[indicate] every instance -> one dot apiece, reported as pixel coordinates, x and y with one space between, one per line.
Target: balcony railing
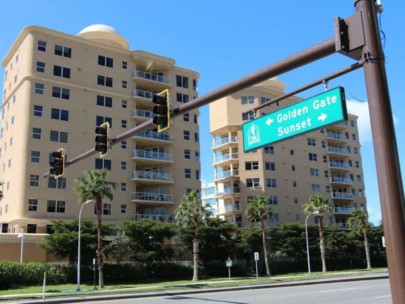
225 140
330 135
232 208
337 150
339 165
341 180
152 155
142 113
225 157
143 94
152 197
154 176
227 173
342 210
152 77
154 217
342 195
155 135
229 191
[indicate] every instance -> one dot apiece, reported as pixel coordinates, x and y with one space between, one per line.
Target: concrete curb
76 299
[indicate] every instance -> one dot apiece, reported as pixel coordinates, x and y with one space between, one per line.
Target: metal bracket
349 36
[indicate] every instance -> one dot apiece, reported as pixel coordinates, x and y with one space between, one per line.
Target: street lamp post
21 235
79 244
306 238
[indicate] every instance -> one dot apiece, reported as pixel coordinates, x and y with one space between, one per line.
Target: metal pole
385 149
79 243
22 245
306 238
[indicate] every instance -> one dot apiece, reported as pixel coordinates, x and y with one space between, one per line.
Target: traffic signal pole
385 149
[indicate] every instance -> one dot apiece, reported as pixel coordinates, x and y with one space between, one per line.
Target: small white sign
256 256
383 241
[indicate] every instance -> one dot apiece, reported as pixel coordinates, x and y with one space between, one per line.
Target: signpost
310 114
229 265
256 255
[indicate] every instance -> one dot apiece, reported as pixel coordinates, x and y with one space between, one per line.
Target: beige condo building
325 161
57 88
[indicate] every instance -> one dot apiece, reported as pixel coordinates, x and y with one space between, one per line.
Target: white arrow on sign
322 117
269 122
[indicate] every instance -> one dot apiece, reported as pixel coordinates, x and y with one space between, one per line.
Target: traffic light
102 140
57 163
161 110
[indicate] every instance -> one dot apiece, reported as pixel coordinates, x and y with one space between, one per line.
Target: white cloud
360 108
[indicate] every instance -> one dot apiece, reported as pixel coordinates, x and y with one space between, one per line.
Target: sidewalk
139 292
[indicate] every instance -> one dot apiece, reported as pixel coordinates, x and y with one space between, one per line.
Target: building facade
325 161
57 88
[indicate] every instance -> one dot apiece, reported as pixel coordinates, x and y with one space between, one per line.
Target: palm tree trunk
367 249
99 249
196 249
322 244
266 261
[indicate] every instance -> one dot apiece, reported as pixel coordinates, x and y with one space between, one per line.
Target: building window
124 104
41 46
34 180
252 165
275 218
264 100
195 118
253 182
35 157
59 114
196 137
272 200
182 81
106 209
40 67
186 135
101 119
187 173
357 164
123 208
105 81
271 183
197 174
325 158
355 150
56 183
58 136
248 116
311 142
186 117
323 144
296 201
359 178
268 150
197 155
326 173
123 187
354 136
123 144
292 168
60 93
56 206
187 154
33 205
183 98
64 51
124 84
104 101
36 133
105 61
123 165
247 100
313 172
61 71
125 65
102 163
313 157
291 152
124 123
316 188
195 84
39 88
270 166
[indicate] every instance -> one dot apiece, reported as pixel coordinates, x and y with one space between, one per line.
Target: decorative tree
359 222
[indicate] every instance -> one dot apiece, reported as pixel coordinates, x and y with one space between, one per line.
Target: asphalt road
359 292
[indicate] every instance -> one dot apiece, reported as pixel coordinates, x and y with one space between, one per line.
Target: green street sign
310 114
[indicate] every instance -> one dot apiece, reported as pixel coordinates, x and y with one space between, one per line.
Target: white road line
380 297
336 290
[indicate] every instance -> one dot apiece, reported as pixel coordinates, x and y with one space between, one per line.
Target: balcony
229 192
148 198
340 166
337 126
151 80
342 195
232 208
338 151
342 210
146 156
152 177
341 180
223 142
168 219
142 115
335 137
227 174
226 158
148 137
344 226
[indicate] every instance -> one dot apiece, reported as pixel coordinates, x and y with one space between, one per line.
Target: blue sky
226 40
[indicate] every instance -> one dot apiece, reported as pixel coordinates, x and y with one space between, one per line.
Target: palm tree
94 186
319 205
259 209
191 214
359 221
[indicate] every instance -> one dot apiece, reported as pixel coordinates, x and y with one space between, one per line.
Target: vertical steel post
385 148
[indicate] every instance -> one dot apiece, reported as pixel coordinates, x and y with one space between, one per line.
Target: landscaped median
69 290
